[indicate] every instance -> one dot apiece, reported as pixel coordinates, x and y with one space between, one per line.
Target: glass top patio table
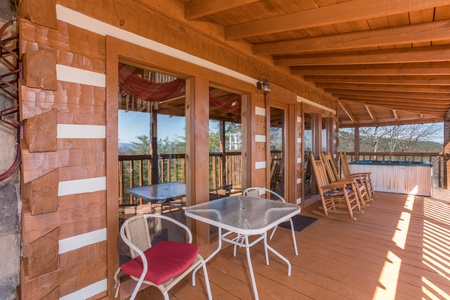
159 192
244 216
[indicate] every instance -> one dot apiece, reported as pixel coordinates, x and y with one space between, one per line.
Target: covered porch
397 249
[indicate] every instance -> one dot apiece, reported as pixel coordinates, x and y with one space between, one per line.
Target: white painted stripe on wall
260 138
301 99
87 292
75 131
80 186
260 111
260 165
82 240
299 140
299 160
71 74
82 21
299 180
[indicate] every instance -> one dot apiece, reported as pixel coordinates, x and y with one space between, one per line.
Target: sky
133 124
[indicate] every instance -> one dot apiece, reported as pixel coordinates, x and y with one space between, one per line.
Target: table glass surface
159 192
243 214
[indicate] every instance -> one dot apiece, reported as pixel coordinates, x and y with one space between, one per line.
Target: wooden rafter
406 55
385 88
199 8
419 97
386 80
424 32
418 69
347 111
394 112
327 15
371 113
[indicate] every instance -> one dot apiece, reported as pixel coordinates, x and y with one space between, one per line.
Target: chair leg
294 240
208 287
166 295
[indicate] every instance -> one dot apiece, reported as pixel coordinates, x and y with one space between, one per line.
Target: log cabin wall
69 169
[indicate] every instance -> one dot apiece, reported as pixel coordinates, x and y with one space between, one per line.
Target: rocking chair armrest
354 176
341 184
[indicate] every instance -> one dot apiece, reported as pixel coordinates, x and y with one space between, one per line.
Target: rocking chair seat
168 260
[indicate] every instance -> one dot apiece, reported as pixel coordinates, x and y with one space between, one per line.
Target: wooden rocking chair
366 176
330 167
337 198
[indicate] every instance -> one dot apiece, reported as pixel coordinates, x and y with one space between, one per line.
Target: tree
399 138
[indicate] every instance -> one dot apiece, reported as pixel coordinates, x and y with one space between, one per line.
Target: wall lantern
263 86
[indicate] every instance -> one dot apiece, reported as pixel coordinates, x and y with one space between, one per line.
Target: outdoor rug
300 222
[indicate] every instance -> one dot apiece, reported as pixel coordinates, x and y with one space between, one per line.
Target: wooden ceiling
384 61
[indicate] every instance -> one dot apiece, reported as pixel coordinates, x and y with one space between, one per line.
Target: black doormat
300 222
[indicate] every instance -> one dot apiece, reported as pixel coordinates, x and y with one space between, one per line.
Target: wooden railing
135 170
436 159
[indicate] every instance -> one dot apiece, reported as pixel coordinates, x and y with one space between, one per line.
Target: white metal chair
163 264
257 192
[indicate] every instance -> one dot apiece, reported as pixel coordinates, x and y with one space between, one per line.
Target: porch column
447 154
356 143
197 151
154 145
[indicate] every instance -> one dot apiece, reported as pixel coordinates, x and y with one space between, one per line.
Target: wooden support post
447 154
197 151
154 145
356 143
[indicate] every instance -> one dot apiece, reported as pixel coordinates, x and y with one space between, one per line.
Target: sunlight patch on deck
432 291
387 288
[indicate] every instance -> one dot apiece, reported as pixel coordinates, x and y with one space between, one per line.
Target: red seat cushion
165 260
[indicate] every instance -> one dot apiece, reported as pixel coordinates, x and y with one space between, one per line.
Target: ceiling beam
327 15
422 32
348 112
385 88
371 113
386 80
438 112
430 119
419 69
407 55
432 99
394 112
200 8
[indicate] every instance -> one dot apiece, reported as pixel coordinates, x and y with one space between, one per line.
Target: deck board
396 249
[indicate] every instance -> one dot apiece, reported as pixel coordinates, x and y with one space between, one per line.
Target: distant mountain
124 148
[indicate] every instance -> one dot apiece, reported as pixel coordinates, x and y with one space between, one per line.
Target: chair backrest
344 163
330 167
137 231
319 173
257 192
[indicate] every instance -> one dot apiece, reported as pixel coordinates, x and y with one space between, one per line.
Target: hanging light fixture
263 86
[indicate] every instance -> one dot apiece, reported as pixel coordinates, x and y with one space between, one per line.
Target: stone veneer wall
10 205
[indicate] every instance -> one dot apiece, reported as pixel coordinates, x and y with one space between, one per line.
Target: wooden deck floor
397 249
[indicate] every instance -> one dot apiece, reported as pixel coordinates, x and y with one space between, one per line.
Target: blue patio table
241 217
